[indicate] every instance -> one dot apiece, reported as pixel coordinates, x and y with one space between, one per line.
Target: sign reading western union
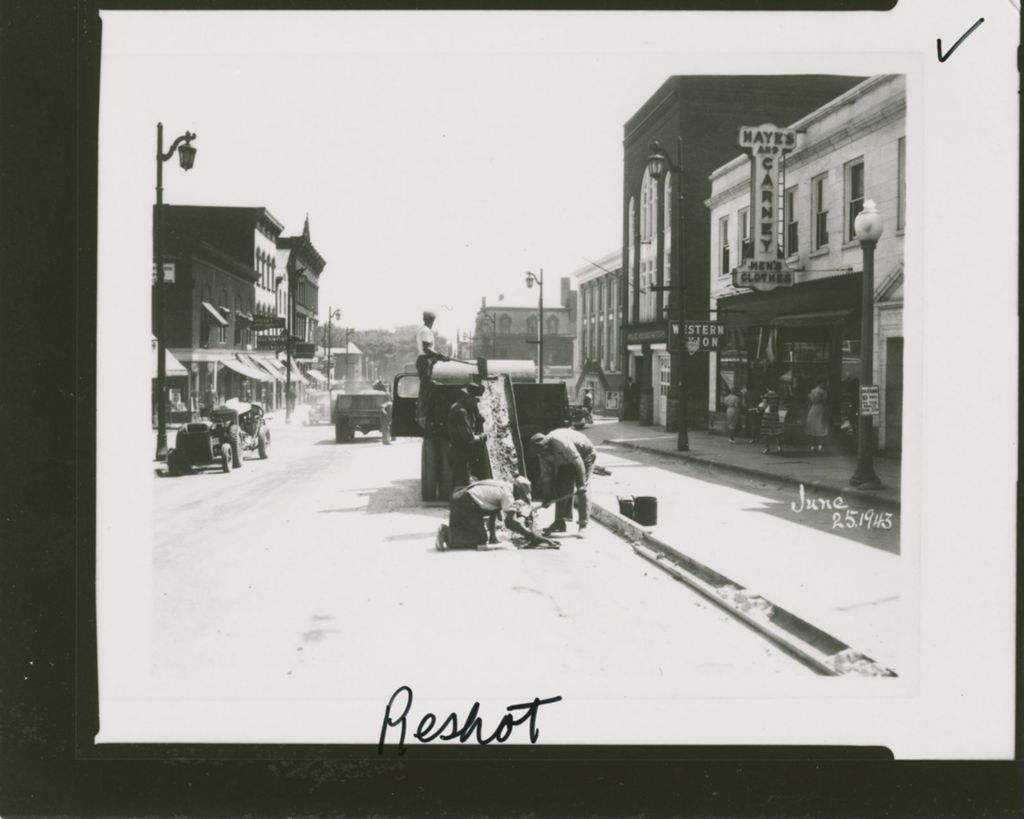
767 145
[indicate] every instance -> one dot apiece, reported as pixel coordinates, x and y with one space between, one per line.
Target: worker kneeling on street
471 504
566 459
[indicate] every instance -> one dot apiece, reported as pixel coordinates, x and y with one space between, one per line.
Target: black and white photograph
522 378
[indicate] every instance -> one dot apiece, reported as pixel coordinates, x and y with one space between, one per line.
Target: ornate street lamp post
868 228
331 314
538 279
657 164
186 156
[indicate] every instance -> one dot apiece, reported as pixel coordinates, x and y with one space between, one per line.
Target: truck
356 411
526 407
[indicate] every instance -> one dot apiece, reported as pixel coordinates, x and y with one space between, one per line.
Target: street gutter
824 653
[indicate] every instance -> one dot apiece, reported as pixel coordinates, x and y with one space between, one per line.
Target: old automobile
233 429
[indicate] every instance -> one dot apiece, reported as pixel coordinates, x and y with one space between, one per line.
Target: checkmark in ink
938 43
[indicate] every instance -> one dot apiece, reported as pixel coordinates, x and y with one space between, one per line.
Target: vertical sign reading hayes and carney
767 145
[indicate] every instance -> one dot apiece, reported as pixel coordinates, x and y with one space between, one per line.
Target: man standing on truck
467 451
487 499
566 459
427 356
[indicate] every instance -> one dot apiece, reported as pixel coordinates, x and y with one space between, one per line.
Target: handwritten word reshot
451 728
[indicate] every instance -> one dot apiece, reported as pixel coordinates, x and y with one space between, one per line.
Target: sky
438 156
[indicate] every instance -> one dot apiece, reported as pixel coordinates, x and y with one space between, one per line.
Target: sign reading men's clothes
696 336
767 146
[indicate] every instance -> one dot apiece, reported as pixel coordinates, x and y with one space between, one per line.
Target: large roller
461 372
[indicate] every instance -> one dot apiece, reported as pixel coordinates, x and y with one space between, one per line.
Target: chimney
483 302
565 291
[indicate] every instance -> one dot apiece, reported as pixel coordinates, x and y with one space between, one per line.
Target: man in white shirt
427 356
487 499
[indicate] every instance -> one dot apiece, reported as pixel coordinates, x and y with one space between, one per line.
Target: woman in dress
771 424
817 418
732 414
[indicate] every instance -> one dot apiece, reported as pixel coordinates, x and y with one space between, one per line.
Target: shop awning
245 369
296 372
812 319
317 376
213 311
267 365
172 367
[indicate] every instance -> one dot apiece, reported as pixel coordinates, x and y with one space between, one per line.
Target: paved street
317 568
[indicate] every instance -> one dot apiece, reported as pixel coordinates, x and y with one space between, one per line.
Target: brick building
224 281
699 116
598 324
505 331
792 338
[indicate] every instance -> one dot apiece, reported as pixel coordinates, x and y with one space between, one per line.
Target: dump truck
514 407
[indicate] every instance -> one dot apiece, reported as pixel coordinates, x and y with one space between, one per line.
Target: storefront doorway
662 386
894 393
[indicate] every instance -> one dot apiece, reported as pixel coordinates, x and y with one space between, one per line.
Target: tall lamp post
657 163
186 156
331 314
493 319
868 228
538 279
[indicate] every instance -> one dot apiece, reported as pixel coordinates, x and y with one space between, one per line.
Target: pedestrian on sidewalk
752 398
566 458
817 418
771 423
732 414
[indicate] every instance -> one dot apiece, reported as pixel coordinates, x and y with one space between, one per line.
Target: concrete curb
891 504
824 653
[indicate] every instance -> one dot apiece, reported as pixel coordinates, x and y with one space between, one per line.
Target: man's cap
429 314
537 439
523 485
474 389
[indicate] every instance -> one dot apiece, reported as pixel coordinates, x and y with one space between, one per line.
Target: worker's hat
429 314
522 486
537 439
474 389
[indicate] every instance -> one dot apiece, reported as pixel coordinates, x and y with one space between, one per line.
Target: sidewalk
827 472
832 600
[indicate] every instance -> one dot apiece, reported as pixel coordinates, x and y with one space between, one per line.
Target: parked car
233 429
319 410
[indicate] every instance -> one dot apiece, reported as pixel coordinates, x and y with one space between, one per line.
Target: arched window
631 259
552 328
666 242
504 325
531 326
648 247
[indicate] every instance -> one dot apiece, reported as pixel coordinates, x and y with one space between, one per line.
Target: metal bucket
646 510
626 506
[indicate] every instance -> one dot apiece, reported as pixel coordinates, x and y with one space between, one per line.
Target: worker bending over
566 459
471 504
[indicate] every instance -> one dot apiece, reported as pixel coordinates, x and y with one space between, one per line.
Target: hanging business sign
767 145
696 336
268 322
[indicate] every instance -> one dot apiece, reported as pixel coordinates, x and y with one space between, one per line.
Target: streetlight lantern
868 224
868 228
529 279
656 161
186 152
